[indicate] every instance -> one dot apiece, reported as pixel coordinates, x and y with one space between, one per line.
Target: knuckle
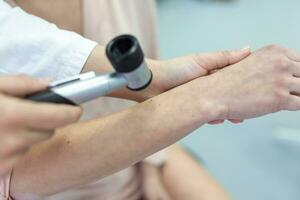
75 113
12 120
280 82
27 80
281 98
226 54
227 58
279 94
281 63
9 117
199 60
71 115
271 47
275 47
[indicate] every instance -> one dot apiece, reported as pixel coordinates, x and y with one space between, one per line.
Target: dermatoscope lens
127 57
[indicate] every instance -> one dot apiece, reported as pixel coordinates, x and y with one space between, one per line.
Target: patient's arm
265 82
91 150
170 73
167 75
57 53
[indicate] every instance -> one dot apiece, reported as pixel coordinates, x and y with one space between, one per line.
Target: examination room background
259 159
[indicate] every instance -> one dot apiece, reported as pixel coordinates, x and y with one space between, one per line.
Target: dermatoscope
126 56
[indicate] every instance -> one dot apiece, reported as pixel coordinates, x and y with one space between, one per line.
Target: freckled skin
24 123
243 90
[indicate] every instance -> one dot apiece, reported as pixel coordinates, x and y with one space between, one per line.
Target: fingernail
246 47
45 81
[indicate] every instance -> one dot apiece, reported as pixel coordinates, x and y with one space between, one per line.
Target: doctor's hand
24 123
265 82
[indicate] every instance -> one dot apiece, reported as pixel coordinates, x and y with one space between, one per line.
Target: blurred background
259 159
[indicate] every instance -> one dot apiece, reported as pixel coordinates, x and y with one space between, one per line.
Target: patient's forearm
91 150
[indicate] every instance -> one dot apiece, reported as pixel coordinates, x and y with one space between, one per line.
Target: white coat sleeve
31 45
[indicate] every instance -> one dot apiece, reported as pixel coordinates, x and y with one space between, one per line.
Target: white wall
259 159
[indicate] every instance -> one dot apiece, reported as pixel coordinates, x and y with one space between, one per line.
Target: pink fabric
104 19
4 188
124 185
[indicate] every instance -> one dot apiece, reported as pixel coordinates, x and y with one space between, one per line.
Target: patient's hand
265 82
172 73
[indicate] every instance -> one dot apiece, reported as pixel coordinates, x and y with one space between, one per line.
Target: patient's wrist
212 105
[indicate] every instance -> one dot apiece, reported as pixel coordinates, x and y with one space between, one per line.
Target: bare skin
174 73
24 123
148 94
152 183
181 177
186 67
229 93
184 178
178 71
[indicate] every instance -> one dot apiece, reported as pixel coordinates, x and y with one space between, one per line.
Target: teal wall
259 159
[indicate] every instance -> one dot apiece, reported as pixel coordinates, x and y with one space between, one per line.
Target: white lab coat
31 45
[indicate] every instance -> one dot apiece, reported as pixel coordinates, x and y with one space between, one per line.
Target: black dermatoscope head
125 55
127 58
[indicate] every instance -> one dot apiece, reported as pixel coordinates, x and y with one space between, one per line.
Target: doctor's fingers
20 113
20 85
15 142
